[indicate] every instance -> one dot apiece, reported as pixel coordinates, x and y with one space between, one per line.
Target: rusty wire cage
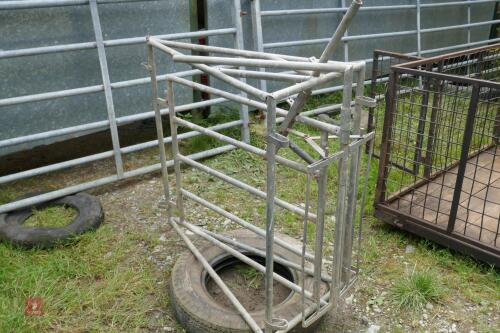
439 173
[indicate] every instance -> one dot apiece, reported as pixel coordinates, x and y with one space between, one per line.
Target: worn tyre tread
90 216
191 305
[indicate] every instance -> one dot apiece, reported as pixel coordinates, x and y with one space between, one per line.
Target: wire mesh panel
381 67
440 160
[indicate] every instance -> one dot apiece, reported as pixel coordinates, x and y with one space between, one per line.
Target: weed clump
414 291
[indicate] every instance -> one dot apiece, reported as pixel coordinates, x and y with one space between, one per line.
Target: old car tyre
198 312
89 216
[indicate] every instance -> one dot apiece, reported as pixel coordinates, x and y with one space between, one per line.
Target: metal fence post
239 44
419 30
468 131
373 94
107 87
353 178
385 149
270 193
436 102
346 43
422 119
258 37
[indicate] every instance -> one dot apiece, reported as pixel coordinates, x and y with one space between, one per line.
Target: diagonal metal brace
294 111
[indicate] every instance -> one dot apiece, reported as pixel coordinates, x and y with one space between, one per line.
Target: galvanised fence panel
56 26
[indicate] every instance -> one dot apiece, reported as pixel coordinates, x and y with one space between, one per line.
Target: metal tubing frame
276 141
96 22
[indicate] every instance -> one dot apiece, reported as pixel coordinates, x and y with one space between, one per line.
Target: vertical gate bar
422 119
353 179
175 148
385 148
363 199
239 44
320 224
373 94
496 128
258 37
346 43
469 129
96 23
419 29
468 22
341 199
159 128
271 192
304 245
436 102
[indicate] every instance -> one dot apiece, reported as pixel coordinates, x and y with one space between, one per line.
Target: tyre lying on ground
89 217
199 308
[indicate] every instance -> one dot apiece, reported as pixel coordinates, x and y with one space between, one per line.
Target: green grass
417 289
97 284
253 278
54 216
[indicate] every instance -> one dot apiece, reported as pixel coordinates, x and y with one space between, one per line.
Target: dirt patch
247 285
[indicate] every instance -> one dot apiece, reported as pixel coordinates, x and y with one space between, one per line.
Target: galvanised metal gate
235 31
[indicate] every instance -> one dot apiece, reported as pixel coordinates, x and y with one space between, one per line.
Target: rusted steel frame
385 150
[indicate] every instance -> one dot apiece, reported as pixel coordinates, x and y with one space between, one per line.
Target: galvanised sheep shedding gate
439 173
330 279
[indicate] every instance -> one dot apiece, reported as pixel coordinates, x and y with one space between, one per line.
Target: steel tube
175 149
293 65
343 39
261 253
107 154
353 179
332 129
243 223
228 51
320 223
102 181
266 75
213 274
258 35
104 123
210 70
303 86
113 42
282 12
243 186
32 4
367 8
159 129
271 151
110 107
245 146
343 175
341 29
239 43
